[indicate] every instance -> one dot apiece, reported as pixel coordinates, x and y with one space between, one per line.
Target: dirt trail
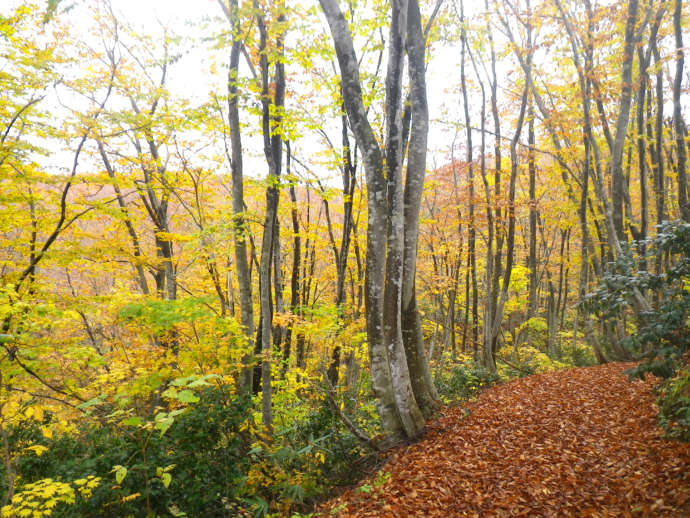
581 442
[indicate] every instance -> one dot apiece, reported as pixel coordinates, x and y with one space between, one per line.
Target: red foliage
582 442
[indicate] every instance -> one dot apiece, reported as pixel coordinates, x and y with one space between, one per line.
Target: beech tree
386 290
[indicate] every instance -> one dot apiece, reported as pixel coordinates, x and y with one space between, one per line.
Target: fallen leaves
581 442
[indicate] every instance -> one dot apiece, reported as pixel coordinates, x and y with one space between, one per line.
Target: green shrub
674 406
463 381
304 461
210 460
662 336
535 332
202 455
576 354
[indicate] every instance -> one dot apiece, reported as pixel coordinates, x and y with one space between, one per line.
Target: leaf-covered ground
581 442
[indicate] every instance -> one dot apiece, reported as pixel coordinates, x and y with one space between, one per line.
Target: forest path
579 442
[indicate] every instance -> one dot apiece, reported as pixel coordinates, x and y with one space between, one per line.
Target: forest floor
581 442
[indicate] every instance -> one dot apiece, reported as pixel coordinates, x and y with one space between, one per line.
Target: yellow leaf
37 449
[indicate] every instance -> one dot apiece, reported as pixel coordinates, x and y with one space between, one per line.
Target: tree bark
420 375
532 261
240 230
489 358
270 122
396 403
678 124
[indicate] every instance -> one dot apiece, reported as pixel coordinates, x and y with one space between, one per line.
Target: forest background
240 250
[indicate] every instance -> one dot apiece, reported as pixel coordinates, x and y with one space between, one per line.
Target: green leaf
120 473
91 402
187 396
164 424
133 421
201 382
166 478
170 393
181 382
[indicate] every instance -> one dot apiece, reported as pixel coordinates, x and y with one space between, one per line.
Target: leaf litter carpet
582 442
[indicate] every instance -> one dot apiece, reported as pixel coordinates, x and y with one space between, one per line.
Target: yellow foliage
538 360
41 497
37 449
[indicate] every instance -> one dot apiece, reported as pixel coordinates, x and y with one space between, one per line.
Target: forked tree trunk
396 402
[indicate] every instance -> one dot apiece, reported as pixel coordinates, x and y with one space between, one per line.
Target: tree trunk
642 159
396 403
659 182
278 330
349 176
240 231
678 124
270 122
532 261
420 376
295 275
489 359
622 121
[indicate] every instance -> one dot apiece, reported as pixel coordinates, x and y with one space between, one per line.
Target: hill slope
581 442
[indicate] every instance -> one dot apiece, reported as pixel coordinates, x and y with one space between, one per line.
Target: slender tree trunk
470 180
622 121
240 230
411 325
295 275
532 261
489 359
488 300
499 230
642 159
270 121
278 330
349 176
659 182
466 321
678 124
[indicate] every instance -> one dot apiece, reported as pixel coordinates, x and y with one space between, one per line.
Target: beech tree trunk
532 260
240 236
622 121
295 275
349 177
678 124
420 375
270 121
489 357
391 381
471 243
